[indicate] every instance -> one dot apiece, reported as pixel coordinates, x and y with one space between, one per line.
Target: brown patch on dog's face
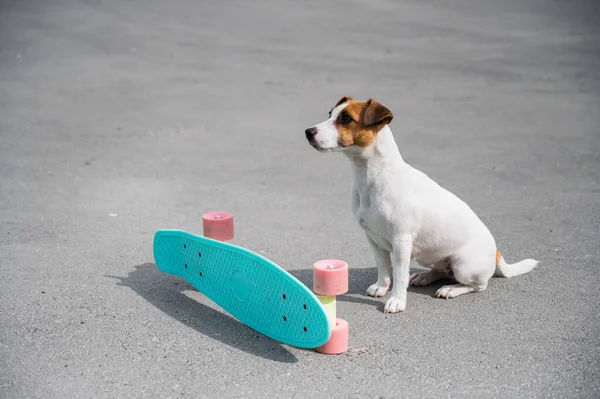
343 100
359 122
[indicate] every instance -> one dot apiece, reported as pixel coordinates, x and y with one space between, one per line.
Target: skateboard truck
330 278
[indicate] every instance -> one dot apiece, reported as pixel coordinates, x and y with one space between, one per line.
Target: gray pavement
120 118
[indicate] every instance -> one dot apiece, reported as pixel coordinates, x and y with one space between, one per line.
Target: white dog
407 215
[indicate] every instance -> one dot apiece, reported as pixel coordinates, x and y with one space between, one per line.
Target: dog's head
351 124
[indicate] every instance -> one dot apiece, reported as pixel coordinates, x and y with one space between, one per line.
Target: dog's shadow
166 292
361 279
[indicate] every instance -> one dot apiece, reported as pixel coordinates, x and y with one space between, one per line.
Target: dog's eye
330 112
345 119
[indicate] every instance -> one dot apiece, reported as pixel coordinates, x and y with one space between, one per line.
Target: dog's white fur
405 214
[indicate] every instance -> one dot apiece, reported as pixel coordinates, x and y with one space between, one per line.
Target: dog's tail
504 269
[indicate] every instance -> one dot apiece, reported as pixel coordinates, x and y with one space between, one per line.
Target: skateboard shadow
165 292
361 279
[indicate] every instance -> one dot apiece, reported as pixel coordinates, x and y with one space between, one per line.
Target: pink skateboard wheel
218 225
330 277
338 343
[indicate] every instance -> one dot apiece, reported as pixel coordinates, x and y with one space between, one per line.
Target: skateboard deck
250 287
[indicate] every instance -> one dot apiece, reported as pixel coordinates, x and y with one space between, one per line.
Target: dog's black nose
311 132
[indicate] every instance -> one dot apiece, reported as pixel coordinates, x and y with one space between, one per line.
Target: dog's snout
311 132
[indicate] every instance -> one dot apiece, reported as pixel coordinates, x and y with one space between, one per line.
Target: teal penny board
250 287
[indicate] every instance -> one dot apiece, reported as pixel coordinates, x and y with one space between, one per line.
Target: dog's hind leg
471 272
438 271
426 278
454 290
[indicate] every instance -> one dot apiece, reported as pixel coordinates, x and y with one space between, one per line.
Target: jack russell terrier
405 214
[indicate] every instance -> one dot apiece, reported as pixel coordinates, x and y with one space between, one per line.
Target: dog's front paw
395 304
376 290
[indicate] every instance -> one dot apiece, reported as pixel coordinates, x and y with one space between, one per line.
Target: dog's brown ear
376 114
343 100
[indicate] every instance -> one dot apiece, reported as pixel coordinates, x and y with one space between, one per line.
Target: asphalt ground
121 118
